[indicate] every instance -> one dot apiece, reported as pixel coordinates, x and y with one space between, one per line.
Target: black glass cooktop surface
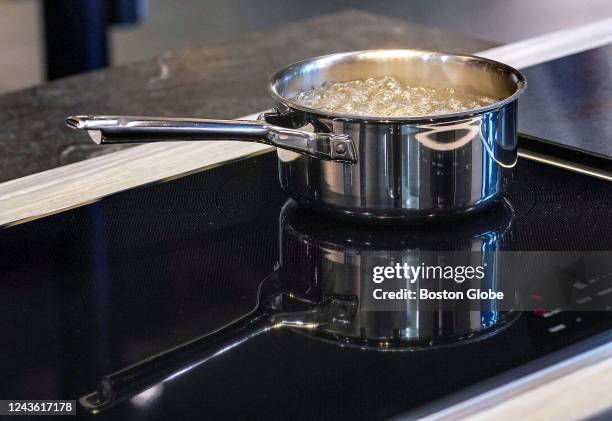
569 100
91 290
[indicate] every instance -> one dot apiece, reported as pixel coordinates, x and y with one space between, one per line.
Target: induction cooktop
94 289
89 291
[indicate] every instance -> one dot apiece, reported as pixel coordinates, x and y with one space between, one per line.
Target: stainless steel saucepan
369 168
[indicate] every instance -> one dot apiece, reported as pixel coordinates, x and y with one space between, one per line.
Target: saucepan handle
126 129
158 369
130 381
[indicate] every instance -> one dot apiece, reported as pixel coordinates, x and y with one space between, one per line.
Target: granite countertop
221 80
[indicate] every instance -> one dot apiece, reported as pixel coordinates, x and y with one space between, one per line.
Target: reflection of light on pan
425 138
472 128
145 398
492 155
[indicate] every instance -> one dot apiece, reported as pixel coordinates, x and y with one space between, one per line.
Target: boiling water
387 97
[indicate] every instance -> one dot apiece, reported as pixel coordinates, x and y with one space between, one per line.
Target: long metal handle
126 129
130 381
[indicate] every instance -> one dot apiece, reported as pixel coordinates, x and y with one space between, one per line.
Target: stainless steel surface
341 260
470 74
125 129
408 168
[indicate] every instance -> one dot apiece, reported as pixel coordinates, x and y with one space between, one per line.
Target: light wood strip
72 185
578 396
76 184
553 45
574 389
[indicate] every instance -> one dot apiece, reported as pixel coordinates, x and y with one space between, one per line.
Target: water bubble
388 97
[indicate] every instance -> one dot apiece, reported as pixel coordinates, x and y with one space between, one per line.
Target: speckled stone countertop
222 80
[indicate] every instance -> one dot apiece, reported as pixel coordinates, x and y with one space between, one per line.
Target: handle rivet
340 148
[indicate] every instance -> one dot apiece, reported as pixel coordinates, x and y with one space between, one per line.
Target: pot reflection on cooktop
95 289
321 285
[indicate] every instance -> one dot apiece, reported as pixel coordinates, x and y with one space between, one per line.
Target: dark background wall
172 24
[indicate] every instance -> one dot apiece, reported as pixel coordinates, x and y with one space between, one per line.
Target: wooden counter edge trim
575 388
83 182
